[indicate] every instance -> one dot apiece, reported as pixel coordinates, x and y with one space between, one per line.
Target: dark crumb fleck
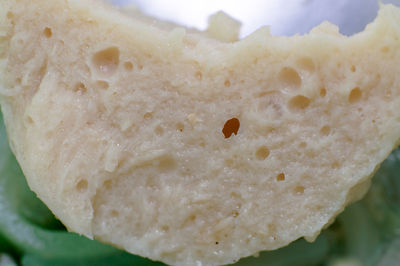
231 127
216 243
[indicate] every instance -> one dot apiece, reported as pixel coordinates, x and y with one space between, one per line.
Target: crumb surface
188 147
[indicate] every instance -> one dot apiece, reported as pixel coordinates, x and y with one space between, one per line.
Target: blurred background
285 17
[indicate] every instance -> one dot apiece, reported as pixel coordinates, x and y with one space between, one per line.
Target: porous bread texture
126 130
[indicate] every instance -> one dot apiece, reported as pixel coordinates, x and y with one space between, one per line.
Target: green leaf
119 259
363 238
298 253
391 255
6 260
383 199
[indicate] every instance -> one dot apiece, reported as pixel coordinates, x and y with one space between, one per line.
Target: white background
286 17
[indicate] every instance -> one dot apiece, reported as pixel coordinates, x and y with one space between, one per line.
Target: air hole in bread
298 103
18 81
290 77
307 64
166 163
303 145
280 177
355 95
231 127
322 92
272 228
180 127
165 228
82 185
262 153
148 115
159 131
128 66
198 75
114 213
325 130
335 165
10 15
299 190
80 88
108 184
29 120
100 84
385 49
106 61
47 32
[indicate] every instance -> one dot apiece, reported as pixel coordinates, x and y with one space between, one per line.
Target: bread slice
191 149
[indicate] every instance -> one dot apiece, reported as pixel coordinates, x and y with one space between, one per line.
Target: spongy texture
191 149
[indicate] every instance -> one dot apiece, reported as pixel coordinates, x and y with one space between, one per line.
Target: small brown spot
385 49
325 130
104 85
202 143
47 32
231 127
280 177
165 228
108 184
262 153
180 127
114 213
29 119
10 15
198 75
80 88
148 115
322 92
335 165
166 164
159 131
82 185
299 190
128 66
355 95
227 83
303 145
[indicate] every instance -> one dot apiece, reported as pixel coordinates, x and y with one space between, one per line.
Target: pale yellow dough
118 124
